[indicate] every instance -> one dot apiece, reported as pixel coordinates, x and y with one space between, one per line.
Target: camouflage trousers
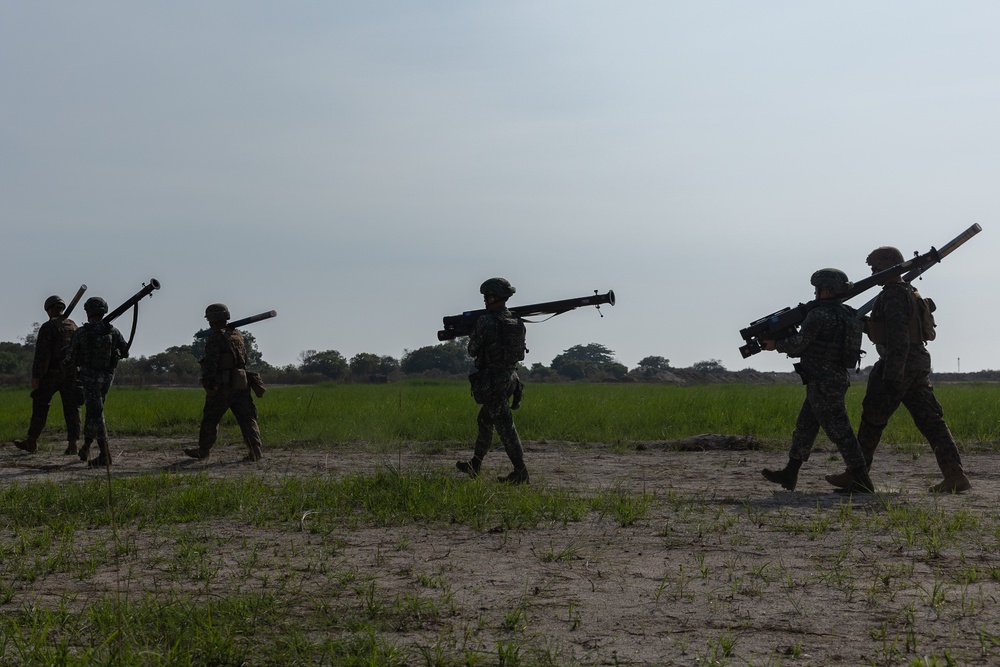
495 387
96 385
217 402
917 395
41 400
825 407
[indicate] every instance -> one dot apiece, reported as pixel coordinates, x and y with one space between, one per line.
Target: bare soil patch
723 569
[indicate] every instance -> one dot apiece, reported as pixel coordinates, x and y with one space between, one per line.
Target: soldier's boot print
470 467
860 481
29 444
787 477
954 481
103 457
197 453
84 452
70 448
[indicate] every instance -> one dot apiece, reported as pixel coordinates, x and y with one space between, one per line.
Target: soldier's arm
43 353
798 343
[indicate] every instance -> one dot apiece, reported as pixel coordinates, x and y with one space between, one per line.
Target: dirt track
725 568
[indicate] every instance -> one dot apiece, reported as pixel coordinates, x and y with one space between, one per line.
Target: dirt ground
723 569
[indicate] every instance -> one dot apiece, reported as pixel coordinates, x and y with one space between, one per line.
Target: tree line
179 365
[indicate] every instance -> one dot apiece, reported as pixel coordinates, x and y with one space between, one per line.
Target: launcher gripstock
239 323
456 326
785 322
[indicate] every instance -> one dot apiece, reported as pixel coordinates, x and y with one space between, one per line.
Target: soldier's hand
35 383
767 345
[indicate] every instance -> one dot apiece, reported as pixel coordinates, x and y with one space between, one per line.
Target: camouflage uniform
47 370
224 376
901 375
94 350
826 380
495 384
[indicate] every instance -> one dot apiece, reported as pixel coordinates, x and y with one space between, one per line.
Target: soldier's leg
877 407
246 416
803 436
928 417
41 399
101 434
511 443
216 404
69 396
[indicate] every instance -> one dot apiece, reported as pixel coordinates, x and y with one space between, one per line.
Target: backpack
925 325
850 341
512 341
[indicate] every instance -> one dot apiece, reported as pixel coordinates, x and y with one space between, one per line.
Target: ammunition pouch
256 383
238 379
479 386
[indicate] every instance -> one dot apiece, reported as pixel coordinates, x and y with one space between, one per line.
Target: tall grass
443 411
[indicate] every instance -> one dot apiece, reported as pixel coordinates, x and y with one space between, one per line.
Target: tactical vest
233 360
921 325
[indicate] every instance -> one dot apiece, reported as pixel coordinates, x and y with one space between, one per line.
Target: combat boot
786 477
860 481
103 459
470 467
254 455
516 476
70 448
29 444
197 453
84 452
954 481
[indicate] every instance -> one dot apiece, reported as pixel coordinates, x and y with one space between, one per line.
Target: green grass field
442 411
184 568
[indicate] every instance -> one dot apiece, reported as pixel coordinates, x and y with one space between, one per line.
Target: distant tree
709 366
450 357
366 364
591 361
540 372
16 359
330 363
650 367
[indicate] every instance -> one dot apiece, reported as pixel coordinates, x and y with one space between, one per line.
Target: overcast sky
362 167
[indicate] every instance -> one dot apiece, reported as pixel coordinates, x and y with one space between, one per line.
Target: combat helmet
55 301
834 280
95 305
217 312
884 257
499 287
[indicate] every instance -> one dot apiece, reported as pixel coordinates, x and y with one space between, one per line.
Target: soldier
49 377
899 326
497 345
94 351
227 387
826 345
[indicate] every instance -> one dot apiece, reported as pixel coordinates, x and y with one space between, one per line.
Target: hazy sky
362 167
